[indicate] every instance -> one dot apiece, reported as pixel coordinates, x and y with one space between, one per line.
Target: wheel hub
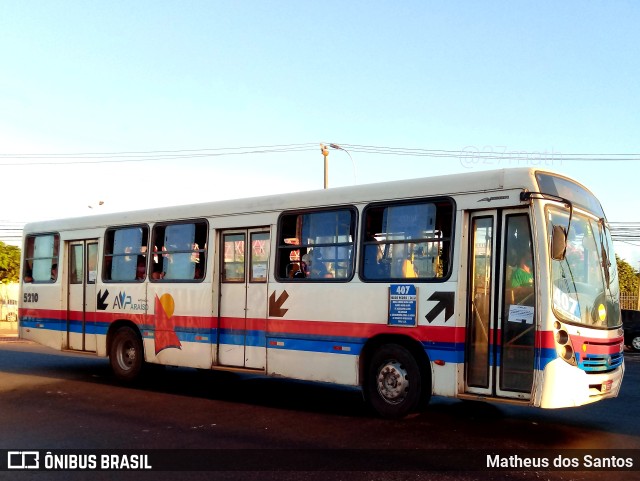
130 355
127 356
393 382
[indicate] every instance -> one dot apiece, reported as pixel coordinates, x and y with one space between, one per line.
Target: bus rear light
439 362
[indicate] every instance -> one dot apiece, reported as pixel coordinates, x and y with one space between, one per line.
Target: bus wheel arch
126 350
395 374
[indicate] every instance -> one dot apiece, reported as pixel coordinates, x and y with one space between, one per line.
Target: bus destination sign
403 305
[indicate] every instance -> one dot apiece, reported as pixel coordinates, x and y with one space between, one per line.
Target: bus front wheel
394 382
126 355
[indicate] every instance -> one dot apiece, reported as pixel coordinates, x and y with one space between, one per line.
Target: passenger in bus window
141 269
198 272
157 273
54 272
522 275
306 263
295 271
28 276
318 268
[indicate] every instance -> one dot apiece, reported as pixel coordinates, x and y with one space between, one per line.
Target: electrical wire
469 154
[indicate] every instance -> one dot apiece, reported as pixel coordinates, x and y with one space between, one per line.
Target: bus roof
445 185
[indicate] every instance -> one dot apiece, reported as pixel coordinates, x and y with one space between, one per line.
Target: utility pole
325 153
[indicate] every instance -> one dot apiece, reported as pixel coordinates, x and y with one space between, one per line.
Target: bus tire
126 354
394 386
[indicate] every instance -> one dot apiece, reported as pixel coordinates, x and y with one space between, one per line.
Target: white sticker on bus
521 314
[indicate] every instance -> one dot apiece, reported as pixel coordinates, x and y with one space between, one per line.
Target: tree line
9 263
627 277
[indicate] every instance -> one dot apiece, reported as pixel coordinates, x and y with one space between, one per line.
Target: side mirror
558 243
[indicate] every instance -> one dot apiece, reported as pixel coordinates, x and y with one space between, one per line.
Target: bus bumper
565 385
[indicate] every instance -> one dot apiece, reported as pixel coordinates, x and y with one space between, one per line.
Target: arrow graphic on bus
445 303
101 304
275 306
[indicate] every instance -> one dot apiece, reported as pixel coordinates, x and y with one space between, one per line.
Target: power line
474 152
469 154
150 152
147 156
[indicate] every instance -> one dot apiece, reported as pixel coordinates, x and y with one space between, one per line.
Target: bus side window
407 240
179 251
316 245
41 260
125 254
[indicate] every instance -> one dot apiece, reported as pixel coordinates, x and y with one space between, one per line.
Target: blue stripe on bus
445 351
240 337
315 345
43 323
545 356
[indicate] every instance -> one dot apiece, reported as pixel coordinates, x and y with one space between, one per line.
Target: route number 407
403 290
566 303
30 297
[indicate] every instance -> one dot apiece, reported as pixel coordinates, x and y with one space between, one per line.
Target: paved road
51 400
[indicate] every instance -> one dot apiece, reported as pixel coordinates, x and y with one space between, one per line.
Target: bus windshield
585 282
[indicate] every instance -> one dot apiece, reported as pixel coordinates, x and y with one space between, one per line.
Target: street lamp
325 153
353 164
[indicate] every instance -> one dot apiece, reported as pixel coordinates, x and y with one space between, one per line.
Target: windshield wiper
604 252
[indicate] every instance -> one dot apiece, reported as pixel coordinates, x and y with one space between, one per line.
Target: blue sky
534 78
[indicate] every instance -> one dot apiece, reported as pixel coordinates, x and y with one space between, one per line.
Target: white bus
497 285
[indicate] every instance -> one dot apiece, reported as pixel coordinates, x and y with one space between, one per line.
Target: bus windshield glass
568 189
585 282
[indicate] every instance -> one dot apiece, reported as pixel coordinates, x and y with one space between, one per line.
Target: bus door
81 303
243 297
501 323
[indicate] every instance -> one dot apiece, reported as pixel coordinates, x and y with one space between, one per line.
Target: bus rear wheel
126 354
394 386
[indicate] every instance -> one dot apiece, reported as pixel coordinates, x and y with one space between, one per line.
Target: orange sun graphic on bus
165 336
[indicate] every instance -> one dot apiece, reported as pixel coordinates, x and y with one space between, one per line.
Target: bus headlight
562 337
565 350
567 353
602 312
